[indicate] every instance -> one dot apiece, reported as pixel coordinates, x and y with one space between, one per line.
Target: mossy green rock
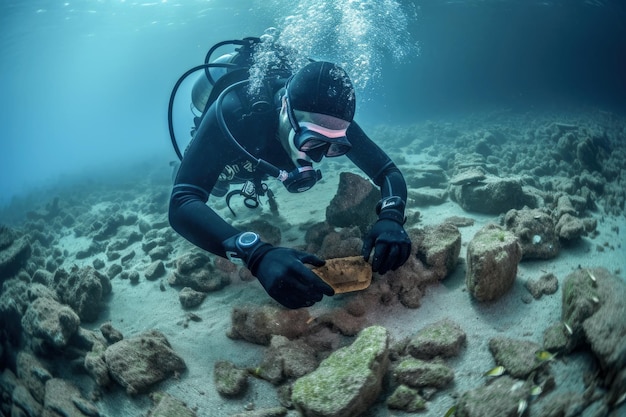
501 398
418 373
406 399
444 338
348 381
517 356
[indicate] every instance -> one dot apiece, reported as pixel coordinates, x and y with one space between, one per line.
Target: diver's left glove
388 239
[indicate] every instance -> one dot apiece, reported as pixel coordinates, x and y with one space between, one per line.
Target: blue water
85 84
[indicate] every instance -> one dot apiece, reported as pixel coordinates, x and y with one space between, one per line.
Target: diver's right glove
281 271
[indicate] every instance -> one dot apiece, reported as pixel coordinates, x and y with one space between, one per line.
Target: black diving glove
391 244
281 271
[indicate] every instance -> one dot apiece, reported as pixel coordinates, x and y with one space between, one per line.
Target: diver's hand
391 245
286 279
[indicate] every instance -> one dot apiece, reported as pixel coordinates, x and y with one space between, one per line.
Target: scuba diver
281 130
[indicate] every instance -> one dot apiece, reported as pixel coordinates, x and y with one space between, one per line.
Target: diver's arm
375 163
203 161
386 239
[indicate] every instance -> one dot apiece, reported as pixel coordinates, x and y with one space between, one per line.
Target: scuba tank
224 72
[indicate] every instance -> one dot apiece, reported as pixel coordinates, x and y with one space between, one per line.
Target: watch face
248 239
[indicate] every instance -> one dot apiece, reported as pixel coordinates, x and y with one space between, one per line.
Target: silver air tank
202 87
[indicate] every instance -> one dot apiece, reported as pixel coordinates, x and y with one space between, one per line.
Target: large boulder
139 362
83 289
492 258
65 399
348 382
354 203
50 321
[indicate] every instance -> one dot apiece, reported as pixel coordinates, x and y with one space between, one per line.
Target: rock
287 359
500 398
195 270
32 374
417 373
83 289
469 176
257 324
51 321
155 270
438 247
190 298
110 227
230 381
535 231
605 329
14 252
354 203
114 270
111 334
569 227
406 399
138 362
349 381
22 398
579 292
564 206
167 406
425 176
427 196
443 339
546 284
492 258
96 367
65 399
517 356
493 196
342 321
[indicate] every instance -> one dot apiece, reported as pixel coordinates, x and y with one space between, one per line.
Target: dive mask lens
316 145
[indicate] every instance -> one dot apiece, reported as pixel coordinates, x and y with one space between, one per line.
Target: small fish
595 299
620 399
521 406
568 328
497 371
536 391
544 355
450 411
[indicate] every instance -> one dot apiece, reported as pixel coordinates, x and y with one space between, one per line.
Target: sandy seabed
133 309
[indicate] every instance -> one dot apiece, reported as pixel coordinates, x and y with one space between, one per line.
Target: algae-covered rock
406 399
229 380
287 359
167 406
51 321
417 373
517 356
82 289
501 398
579 295
138 362
348 381
492 258
444 338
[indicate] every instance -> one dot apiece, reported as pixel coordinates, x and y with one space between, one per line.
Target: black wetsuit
211 155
